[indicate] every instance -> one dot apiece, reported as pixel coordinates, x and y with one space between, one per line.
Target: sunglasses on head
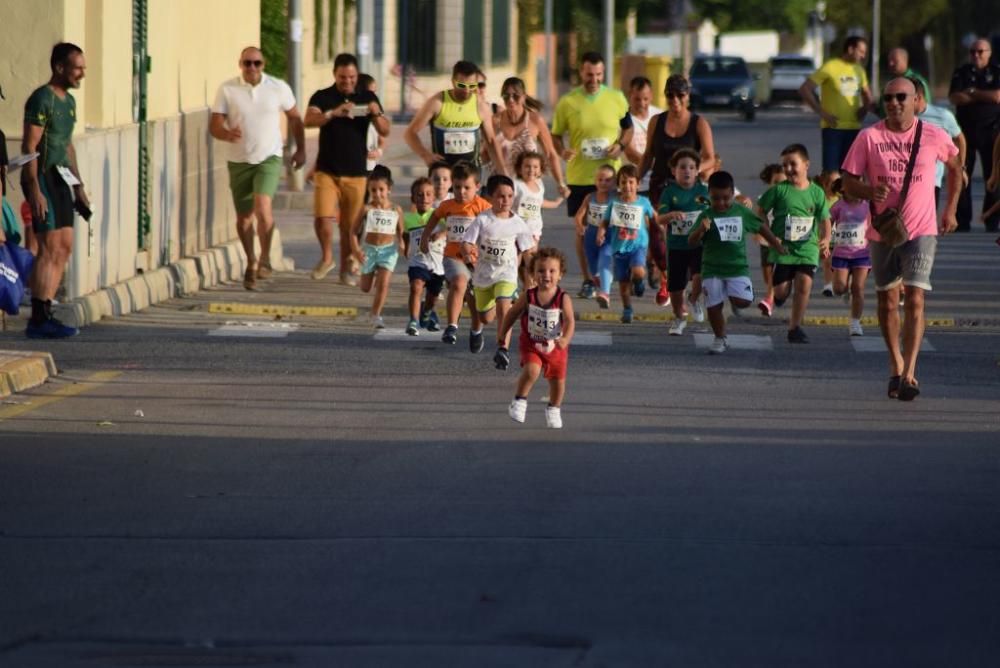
898 97
466 86
252 63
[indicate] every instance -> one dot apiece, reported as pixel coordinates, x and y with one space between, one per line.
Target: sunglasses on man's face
252 63
976 52
898 97
466 86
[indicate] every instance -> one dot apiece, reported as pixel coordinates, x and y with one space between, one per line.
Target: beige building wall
193 45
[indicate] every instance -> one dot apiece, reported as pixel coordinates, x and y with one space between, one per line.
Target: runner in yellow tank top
456 120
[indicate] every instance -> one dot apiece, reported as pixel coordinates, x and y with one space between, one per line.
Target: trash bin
654 68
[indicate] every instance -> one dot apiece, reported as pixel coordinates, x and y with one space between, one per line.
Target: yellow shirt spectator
840 84
592 122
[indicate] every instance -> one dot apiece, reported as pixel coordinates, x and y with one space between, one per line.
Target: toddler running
547 326
529 200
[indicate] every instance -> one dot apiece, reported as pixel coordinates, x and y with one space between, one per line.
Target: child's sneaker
450 335
797 335
378 322
603 300
766 307
413 328
718 346
662 296
502 359
627 315
432 322
697 310
828 290
638 287
586 290
476 342
518 409
553 417
855 328
677 327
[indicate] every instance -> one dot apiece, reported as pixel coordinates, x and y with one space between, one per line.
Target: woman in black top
668 131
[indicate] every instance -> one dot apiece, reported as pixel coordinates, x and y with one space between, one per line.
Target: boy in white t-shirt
494 242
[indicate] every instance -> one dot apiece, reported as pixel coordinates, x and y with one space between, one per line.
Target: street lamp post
609 42
876 43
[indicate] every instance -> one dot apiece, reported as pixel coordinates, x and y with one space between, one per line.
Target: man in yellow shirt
592 126
844 99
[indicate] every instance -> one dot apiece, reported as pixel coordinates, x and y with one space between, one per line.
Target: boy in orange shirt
458 214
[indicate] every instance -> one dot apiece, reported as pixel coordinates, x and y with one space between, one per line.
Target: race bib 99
595 149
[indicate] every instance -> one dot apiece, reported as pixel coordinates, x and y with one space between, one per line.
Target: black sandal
908 391
894 382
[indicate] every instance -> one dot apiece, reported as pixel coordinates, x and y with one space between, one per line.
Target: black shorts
786 272
575 199
59 198
433 282
681 264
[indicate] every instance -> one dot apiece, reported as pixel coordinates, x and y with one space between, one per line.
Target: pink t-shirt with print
880 155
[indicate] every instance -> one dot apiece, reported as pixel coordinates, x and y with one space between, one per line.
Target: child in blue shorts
596 260
382 224
629 215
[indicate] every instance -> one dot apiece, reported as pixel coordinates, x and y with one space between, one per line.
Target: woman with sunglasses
669 131
520 128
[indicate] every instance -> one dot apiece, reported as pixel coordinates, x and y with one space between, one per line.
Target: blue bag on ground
15 267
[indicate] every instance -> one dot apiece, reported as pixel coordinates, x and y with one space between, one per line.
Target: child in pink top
851 259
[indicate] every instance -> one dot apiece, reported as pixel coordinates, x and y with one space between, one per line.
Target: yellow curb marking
282 310
615 316
869 321
64 392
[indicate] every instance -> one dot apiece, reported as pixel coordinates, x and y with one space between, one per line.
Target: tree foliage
781 15
900 18
274 36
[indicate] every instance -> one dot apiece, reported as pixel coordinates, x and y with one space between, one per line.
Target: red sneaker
766 307
662 296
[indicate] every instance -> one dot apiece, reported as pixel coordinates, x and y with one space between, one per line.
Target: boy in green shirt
801 219
722 231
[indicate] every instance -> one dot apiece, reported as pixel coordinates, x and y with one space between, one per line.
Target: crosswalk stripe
257 330
875 344
736 341
579 339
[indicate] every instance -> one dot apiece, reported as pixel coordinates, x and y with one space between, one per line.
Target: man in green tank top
456 118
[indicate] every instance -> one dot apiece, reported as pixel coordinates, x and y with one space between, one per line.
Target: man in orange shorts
342 113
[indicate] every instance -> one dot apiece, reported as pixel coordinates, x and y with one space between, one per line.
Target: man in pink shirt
873 170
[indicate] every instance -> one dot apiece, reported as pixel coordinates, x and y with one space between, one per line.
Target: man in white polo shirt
247 113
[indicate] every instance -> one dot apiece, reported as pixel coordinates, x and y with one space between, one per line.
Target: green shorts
246 180
486 298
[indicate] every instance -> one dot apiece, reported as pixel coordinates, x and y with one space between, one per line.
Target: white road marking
579 339
737 341
257 330
875 344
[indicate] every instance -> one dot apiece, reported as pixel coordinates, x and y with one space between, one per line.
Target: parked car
788 71
723 81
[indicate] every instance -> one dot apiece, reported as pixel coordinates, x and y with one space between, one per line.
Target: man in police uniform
975 92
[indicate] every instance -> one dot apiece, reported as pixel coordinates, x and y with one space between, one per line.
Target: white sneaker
378 322
697 310
519 408
855 328
677 327
553 418
718 346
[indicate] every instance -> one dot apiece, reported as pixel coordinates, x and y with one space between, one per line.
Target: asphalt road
206 488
